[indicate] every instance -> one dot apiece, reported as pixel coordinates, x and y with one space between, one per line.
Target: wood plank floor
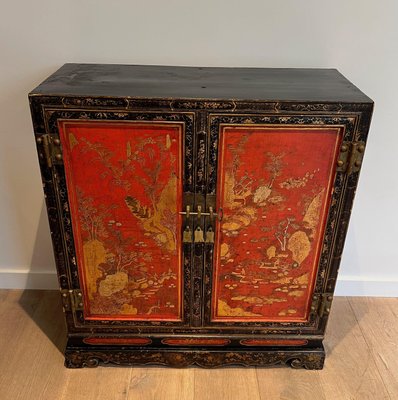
361 363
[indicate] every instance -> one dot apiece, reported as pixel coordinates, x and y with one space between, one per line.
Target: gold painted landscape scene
273 188
124 213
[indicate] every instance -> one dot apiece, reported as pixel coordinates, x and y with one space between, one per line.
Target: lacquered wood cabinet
198 215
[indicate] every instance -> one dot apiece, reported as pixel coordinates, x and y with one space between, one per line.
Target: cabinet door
273 185
125 187
121 185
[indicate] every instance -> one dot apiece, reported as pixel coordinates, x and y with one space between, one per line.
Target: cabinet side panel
124 185
274 188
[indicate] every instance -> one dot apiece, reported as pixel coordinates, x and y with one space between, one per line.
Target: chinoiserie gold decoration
94 254
299 245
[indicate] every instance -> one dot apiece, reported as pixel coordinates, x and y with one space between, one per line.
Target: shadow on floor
44 306
45 309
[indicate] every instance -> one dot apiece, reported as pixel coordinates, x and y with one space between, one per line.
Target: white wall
358 37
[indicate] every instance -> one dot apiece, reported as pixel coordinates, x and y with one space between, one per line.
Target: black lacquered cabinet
198 215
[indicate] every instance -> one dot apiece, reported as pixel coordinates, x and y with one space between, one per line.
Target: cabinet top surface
281 84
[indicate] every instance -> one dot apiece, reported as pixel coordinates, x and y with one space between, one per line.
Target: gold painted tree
94 252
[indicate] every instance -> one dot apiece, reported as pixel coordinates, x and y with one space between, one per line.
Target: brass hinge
315 303
51 149
72 299
350 157
325 304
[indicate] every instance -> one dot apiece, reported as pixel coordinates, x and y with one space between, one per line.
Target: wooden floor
361 363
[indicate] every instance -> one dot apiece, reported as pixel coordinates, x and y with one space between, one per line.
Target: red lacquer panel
274 187
273 342
118 341
124 186
196 342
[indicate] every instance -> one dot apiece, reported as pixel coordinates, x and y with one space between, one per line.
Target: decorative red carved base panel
196 342
117 341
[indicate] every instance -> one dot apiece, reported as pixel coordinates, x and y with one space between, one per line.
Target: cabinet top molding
171 82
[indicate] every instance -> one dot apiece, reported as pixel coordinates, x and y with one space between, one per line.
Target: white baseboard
366 286
25 279
346 286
